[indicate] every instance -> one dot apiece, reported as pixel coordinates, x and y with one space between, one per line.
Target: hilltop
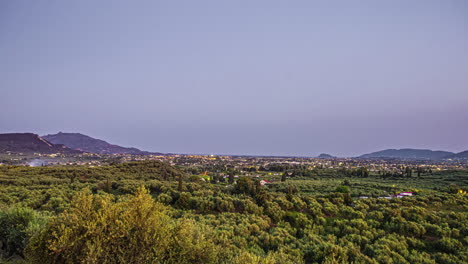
30 143
408 154
92 145
461 155
325 156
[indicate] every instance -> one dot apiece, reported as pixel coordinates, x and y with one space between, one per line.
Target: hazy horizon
230 154
244 78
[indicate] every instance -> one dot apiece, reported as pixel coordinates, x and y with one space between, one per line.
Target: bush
17 224
342 189
97 230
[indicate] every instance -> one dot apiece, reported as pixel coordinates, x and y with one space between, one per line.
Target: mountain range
408 154
88 144
78 143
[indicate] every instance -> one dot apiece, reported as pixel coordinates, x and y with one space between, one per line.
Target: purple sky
239 77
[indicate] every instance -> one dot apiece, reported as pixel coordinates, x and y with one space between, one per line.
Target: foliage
17 224
137 230
103 214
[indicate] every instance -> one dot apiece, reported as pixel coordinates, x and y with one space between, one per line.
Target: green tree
181 183
283 176
231 178
342 189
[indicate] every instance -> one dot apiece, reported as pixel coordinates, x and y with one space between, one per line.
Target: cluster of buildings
249 164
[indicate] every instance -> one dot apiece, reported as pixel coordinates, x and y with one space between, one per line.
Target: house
263 182
406 194
400 195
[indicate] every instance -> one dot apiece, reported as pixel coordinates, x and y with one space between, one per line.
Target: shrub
138 230
17 224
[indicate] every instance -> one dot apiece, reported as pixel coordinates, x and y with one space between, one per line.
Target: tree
408 172
214 179
73 176
364 172
245 185
419 170
231 178
283 176
291 190
342 189
180 187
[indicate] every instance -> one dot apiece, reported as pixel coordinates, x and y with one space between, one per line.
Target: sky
260 77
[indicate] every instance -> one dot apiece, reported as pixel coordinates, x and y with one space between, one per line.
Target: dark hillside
92 145
30 143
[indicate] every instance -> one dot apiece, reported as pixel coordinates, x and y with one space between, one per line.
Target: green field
150 212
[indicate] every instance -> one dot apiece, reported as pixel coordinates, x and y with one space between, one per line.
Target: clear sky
239 77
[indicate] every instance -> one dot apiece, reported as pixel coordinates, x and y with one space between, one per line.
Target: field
150 212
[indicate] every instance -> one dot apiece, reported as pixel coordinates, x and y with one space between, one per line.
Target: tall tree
181 186
231 177
283 177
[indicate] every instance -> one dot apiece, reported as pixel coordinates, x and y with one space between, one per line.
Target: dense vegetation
150 212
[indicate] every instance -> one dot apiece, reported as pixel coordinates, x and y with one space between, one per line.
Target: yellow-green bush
96 229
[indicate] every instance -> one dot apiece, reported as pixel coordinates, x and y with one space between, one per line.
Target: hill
325 156
30 143
461 155
92 145
407 154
